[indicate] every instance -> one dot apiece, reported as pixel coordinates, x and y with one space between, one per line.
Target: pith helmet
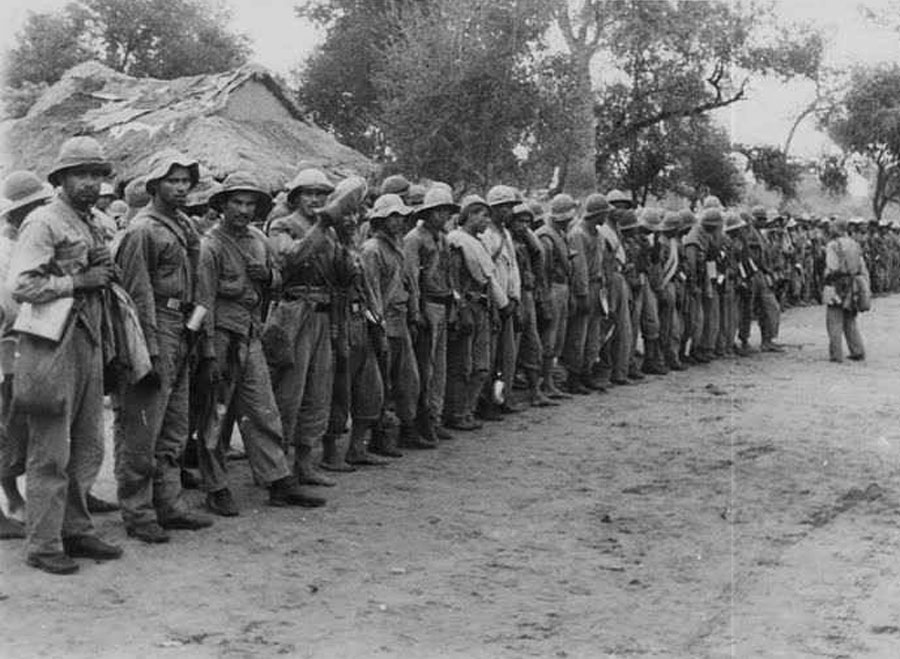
688 219
395 184
163 162
619 197
712 201
503 194
522 209
596 204
386 205
711 217
310 179
242 182
79 153
671 222
437 197
651 219
469 202
759 213
627 219
21 189
562 208
416 195
733 222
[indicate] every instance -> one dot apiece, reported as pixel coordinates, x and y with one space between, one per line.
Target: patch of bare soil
748 508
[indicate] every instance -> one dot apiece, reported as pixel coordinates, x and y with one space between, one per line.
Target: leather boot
548 383
357 452
535 396
332 456
306 473
653 363
575 385
425 427
384 440
410 438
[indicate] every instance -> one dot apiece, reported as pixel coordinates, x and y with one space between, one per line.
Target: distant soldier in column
498 242
395 297
669 290
158 257
582 349
557 273
763 280
428 258
531 272
617 351
469 346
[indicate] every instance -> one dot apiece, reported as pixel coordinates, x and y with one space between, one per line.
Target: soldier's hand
94 277
153 379
259 272
99 256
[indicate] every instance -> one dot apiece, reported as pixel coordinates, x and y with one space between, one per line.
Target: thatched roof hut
238 120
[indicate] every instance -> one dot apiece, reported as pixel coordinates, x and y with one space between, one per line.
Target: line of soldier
294 318
800 259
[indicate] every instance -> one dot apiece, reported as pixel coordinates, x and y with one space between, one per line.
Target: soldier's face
240 209
478 219
173 189
82 187
395 224
309 201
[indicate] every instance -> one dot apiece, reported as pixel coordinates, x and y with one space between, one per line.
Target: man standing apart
843 263
60 253
158 257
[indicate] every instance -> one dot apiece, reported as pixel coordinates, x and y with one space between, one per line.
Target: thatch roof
237 120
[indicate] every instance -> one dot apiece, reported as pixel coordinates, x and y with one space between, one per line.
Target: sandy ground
744 509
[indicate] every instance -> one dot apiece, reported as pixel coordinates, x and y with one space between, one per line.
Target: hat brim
566 216
103 166
159 173
218 200
45 193
453 208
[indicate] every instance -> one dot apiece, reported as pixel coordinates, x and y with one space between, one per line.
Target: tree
669 60
144 38
48 45
867 123
772 168
832 174
456 92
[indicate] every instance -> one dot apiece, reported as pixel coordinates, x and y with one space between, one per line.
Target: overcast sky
281 41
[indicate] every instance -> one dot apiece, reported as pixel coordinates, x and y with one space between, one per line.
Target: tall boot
384 437
357 453
410 438
653 363
535 396
333 456
575 384
548 382
306 472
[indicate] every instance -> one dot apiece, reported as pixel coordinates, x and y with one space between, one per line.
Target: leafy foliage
868 123
144 38
773 169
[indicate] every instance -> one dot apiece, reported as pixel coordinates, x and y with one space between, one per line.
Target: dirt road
744 509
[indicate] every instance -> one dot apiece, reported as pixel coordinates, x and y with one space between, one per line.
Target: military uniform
557 274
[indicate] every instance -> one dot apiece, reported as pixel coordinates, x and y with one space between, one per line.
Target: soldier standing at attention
428 258
61 254
297 337
158 256
235 274
557 273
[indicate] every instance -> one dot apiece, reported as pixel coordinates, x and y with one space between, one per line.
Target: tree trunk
581 175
